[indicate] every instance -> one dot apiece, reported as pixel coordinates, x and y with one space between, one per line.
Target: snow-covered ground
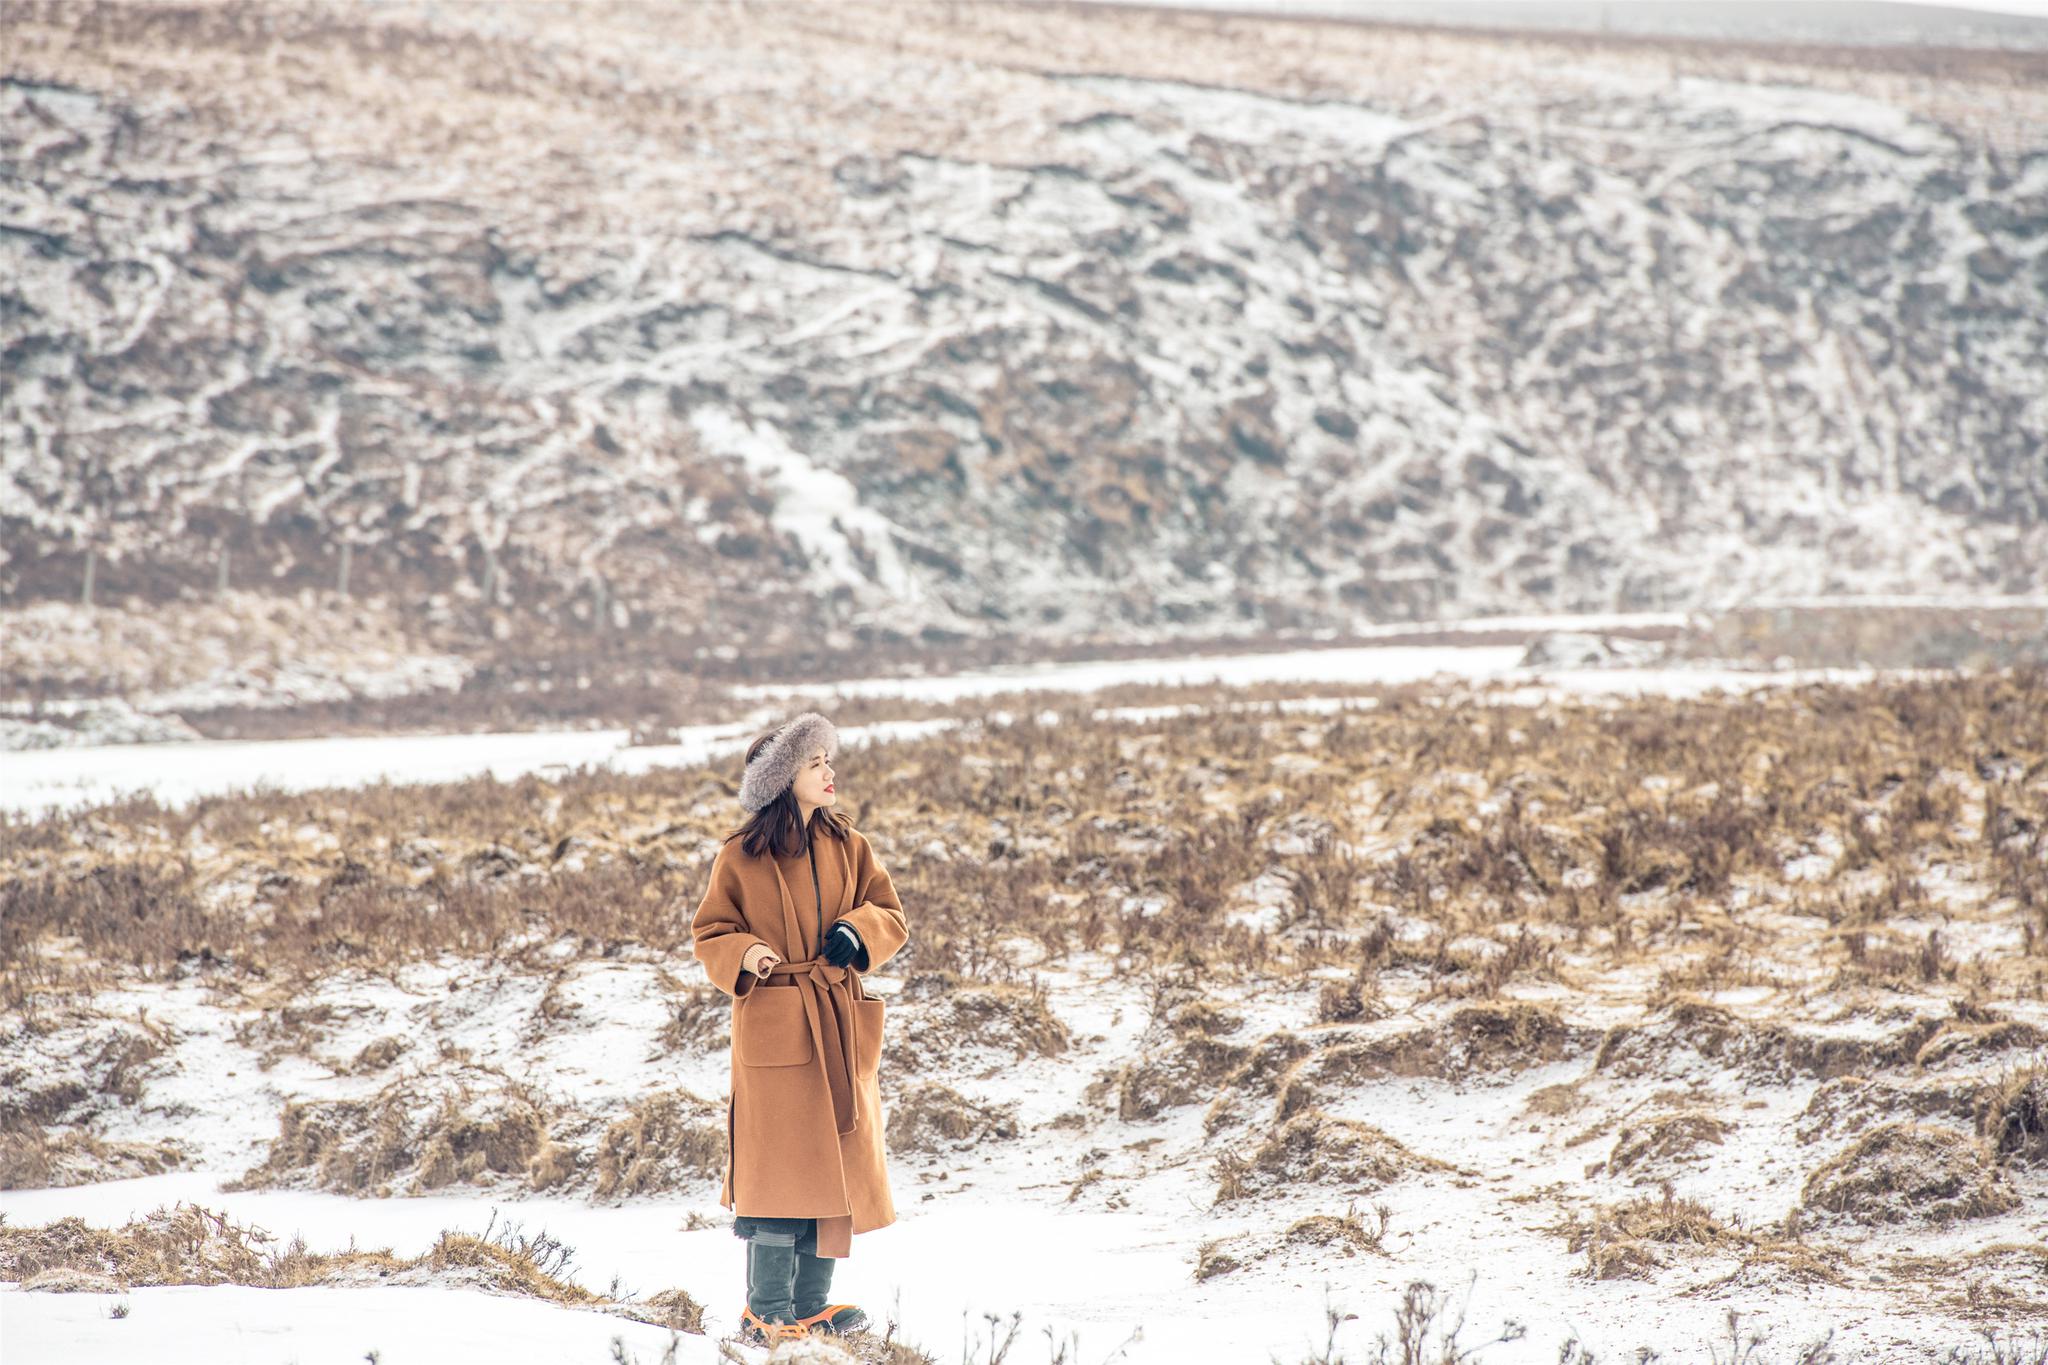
1088 1225
988 1231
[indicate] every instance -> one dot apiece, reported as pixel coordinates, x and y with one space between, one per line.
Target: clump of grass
1909 1172
1628 1240
1346 1232
929 1117
179 1244
189 1244
32 1158
1014 1019
1660 1141
1212 1260
2012 1115
418 1133
667 1140
1314 1148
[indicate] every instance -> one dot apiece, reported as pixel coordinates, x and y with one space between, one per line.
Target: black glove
842 944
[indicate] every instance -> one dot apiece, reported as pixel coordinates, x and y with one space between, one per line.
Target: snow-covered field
1103 1229
979 1232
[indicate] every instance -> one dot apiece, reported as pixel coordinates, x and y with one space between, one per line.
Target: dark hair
779 825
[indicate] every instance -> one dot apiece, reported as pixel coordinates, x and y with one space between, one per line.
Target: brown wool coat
804 1125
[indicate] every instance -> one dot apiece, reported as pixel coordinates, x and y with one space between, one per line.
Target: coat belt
834 1031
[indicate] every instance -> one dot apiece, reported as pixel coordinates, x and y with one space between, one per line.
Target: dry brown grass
188 1244
33 1158
1532 845
1078 834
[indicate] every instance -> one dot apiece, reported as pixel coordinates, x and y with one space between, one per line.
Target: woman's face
813 784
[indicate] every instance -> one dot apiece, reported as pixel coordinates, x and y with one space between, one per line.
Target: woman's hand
760 959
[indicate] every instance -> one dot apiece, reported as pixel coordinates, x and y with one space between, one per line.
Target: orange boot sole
821 1322
758 1332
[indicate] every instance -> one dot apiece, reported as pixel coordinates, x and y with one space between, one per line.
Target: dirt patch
1909 1172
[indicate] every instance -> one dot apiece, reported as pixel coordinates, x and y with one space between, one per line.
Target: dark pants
801 1233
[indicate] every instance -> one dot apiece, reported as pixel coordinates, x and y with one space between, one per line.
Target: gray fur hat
775 767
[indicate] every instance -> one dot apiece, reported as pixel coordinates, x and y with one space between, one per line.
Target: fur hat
775 767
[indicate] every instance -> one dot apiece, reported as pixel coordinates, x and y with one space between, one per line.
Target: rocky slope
1007 319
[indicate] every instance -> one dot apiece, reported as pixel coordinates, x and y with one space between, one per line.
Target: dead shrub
1909 1172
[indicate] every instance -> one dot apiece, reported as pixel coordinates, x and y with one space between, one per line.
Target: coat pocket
867 1050
770 1028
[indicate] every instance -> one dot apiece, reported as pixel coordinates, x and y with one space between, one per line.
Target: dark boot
813 1283
770 1314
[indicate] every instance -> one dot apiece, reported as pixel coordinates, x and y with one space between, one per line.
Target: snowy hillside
986 319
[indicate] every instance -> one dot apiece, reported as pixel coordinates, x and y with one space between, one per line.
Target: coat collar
794 935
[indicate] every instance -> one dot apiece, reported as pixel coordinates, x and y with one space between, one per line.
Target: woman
798 909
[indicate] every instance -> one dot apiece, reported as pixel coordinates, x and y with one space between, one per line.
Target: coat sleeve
877 915
719 934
